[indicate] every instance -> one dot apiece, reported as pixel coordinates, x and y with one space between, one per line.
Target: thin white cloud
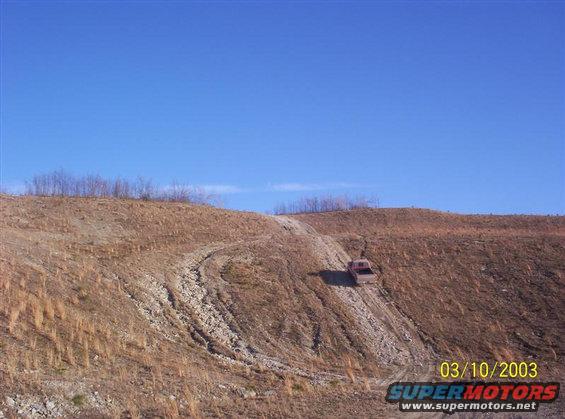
13 188
303 187
226 188
208 188
220 188
276 187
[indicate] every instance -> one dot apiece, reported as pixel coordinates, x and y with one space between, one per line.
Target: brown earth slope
128 308
478 287
111 306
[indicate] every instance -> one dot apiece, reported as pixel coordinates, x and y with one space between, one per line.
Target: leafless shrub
56 183
325 203
176 192
144 188
62 183
121 188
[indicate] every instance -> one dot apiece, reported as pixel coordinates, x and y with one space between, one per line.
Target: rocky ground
121 308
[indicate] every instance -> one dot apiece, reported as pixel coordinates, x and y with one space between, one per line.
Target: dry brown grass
473 284
70 284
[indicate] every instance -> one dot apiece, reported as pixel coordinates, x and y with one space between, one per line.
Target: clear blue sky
455 106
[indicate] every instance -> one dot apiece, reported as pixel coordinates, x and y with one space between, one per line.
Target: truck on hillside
361 271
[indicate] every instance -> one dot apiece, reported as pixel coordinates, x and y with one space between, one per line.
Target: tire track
215 322
214 327
392 338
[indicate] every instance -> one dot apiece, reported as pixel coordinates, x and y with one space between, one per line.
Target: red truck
361 272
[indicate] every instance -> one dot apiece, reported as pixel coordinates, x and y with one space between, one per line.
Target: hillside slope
478 287
117 307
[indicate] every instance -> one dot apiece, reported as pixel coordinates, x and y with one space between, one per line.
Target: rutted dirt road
392 338
149 308
216 326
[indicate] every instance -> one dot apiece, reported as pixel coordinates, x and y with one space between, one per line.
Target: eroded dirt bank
137 308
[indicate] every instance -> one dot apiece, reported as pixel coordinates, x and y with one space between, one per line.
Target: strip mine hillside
477 287
128 308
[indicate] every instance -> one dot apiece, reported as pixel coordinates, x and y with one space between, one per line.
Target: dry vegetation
478 287
95 319
327 203
127 308
60 183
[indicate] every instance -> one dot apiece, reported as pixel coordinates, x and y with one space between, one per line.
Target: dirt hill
131 308
477 287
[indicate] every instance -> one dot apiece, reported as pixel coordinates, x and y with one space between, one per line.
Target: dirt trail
392 337
215 325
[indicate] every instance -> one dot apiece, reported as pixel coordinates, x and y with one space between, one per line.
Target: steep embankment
391 336
128 305
477 287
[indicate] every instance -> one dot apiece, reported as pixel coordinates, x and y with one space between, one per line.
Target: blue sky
456 106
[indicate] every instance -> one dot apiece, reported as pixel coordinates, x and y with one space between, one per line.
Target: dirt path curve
215 325
392 337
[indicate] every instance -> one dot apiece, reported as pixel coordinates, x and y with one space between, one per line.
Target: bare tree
144 189
176 192
57 183
325 203
61 183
